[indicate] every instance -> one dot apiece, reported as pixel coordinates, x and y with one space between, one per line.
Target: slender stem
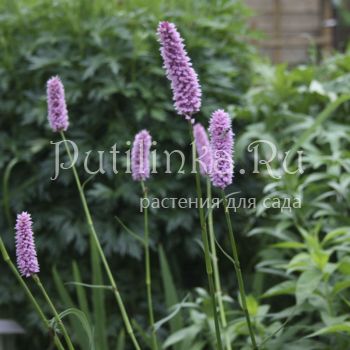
239 272
30 296
54 311
208 265
216 271
148 273
93 233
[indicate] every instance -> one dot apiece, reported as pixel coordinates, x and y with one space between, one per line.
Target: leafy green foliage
303 252
108 58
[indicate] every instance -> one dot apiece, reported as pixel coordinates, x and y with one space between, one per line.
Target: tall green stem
30 296
216 267
208 264
54 311
238 272
148 273
93 233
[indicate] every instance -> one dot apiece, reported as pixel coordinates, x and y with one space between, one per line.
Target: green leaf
338 328
166 319
306 284
340 286
81 293
68 302
171 297
299 262
283 288
344 266
6 190
320 258
289 245
121 340
83 322
252 305
341 231
92 286
188 333
62 291
98 298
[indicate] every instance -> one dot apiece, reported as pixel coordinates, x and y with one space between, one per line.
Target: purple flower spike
27 261
221 140
140 153
57 109
203 149
184 80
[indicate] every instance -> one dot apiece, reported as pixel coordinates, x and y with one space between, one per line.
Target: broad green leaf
331 320
338 328
344 266
299 262
252 305
283 288
312 242
188 333
306 284
320 258
335 234
340 286
262 311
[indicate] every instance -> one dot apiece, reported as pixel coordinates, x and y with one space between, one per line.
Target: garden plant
222 224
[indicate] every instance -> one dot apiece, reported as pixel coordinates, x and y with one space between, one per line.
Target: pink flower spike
203 149
56 103
140 153
184 80
27 261
221 141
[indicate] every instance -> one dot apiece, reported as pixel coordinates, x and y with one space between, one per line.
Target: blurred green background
107 54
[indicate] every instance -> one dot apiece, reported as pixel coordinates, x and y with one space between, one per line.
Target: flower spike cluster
203 149
221 141
140 168
56 103
184 80
27 261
